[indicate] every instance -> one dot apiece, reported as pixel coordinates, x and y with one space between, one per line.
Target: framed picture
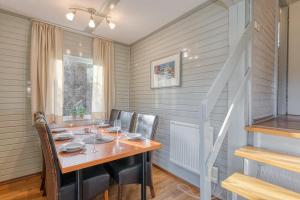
165 72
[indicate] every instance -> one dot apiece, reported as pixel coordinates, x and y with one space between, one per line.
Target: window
78 87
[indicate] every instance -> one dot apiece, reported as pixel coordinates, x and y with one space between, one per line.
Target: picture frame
166 72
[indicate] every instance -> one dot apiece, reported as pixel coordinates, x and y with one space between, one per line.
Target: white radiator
184 145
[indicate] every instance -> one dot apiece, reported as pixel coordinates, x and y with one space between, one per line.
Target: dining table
105 152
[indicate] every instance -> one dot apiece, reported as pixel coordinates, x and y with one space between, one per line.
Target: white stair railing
209 150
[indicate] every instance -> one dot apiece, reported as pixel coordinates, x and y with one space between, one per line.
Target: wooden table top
105 152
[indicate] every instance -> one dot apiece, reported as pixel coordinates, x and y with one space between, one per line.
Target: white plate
112 129
134 136
63 136
72 146
58 130
78 132
103 125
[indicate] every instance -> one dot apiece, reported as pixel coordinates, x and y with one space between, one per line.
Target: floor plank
166 188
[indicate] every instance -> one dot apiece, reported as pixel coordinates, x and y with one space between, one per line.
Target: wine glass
94 135
117 125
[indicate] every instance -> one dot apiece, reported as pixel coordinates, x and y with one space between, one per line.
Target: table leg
144 177
79 185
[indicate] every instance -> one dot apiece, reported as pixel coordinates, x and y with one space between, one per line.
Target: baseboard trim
20 178
262 119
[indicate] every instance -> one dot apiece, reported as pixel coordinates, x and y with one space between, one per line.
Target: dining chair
62 186
127 120
36 116
129 170
114 114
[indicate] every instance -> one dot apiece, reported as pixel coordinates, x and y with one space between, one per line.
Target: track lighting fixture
72 12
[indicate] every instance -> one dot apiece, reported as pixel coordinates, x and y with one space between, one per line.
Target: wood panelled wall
122 61
205 34
19 146
263 82
20 152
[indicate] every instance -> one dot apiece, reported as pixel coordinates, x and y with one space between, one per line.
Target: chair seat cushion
95 182
127 170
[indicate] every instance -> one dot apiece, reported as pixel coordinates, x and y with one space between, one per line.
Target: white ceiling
134 18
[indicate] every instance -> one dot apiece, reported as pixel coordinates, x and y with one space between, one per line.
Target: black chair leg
119 192
150 178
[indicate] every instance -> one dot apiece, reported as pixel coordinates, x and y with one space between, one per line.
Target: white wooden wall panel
294 60
263 83
20 153
122 60
205 34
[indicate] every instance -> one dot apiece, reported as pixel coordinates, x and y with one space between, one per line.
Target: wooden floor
290 122
166 188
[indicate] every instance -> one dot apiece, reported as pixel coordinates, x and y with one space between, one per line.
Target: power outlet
215 175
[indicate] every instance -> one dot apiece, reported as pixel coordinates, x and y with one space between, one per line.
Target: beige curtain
103 78
47 70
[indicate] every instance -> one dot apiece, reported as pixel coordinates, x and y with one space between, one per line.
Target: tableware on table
103 125
100 139
58 130
94 135
135 136
87 130
72 147
112 129
118 126
79 132
63 136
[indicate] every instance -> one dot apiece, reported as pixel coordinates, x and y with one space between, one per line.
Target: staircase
240 102
253 188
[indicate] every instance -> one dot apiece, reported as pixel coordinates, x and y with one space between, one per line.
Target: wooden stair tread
255 189
280 160
274 131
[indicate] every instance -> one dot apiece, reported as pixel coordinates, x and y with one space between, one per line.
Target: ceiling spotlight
70 15
92 23
111 25
72 12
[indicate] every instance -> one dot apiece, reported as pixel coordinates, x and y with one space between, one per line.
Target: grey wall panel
263 88
20 153
122 61
205 34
